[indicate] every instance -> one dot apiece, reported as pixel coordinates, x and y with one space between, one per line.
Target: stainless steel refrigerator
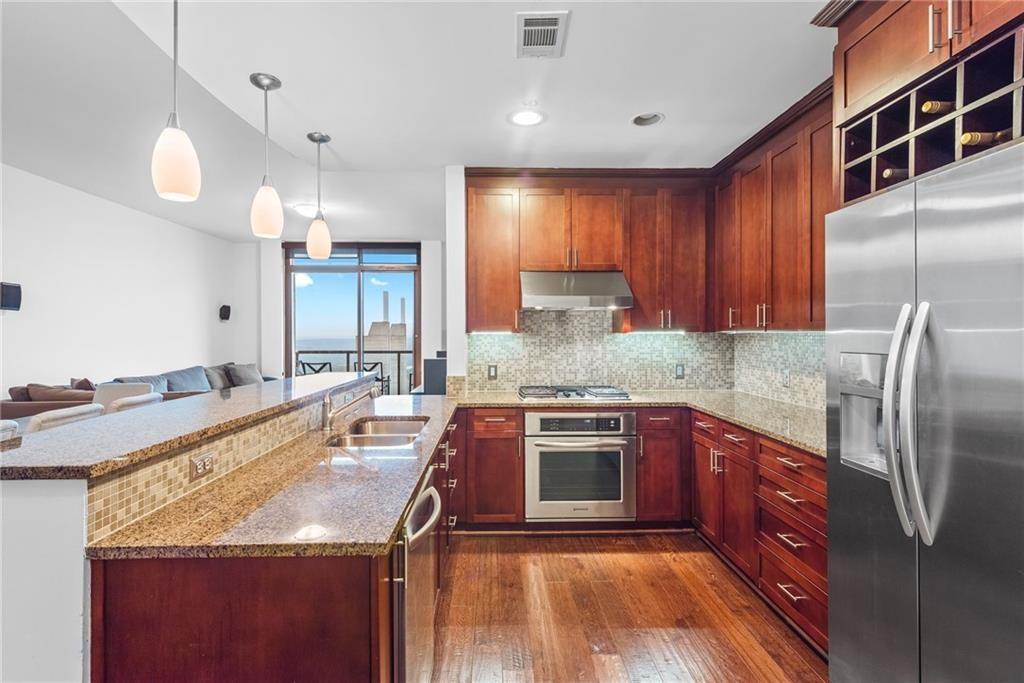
925 409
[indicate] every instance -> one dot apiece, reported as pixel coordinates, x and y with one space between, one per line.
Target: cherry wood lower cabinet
736 473
662 468
707 489
495 476
253 618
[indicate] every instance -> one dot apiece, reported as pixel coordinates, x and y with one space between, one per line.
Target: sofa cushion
187 379
217 376
158 382
83 383
244 374
44 392
19 394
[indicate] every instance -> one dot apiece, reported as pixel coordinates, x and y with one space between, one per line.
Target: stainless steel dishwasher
414 586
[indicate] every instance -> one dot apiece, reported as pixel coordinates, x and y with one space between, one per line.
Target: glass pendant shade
318 239
175 166
266 217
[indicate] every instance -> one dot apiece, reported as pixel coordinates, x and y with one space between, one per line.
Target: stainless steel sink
413 426
371 441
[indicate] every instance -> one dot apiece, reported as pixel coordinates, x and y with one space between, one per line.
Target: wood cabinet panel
597 229
737 535
804 468
822 201
797 544
806 505
495 477
457 468
644 270
736 439
495 420
790 296
752 246
492 259
727 255
975 19
659 475
658 418
686 288
705 425
545 229
707 490
797 597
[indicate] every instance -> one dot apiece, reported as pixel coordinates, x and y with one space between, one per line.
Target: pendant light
318 238
266 217
175 166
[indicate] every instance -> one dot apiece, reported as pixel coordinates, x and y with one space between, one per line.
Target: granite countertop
99 446
795 425
357 497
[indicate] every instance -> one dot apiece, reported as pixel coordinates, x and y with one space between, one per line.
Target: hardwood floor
608 608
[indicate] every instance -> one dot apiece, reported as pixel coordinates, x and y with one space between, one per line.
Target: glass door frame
288 249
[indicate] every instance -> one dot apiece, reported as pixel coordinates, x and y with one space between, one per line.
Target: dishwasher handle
431 524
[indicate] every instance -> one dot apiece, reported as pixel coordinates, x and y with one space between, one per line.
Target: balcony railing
395 368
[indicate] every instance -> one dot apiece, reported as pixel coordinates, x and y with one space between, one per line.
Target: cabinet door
544 229
494 473
707 489
440 482
686 284
822 201
597 229
737 539
974 19
727 256
752 247
643 264
457 442
882 46
492 259
659 476
789 226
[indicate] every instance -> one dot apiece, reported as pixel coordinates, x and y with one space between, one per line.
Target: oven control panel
539 424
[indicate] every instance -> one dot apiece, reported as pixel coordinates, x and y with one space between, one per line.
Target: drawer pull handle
452 427
452 483
660 419
790 463
734 438
703 425
441 465
789 497
785 588
452 452
494 419
788 540
452 520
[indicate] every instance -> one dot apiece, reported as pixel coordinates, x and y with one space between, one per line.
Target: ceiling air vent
541 34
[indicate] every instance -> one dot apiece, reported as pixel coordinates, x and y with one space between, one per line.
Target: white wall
271 307
431 298
109 291
455 268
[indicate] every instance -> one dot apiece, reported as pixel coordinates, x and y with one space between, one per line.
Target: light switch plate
200 465
785 377
680 371
492 372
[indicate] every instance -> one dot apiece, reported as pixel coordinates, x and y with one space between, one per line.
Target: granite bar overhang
100 446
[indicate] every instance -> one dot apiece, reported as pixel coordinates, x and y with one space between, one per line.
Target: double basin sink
375 433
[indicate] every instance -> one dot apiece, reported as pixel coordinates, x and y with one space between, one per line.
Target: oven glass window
580 476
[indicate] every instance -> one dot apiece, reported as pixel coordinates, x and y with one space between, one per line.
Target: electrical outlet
200 466
680 371
492 372
785 377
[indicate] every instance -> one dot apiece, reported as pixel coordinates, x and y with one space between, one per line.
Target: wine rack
928 126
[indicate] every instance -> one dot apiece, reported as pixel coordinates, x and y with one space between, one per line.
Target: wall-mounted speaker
225 312
10 296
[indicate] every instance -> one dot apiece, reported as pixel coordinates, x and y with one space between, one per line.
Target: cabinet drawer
736 439
657 418
495 420
799 545
802 602
705 425
800 466
807 505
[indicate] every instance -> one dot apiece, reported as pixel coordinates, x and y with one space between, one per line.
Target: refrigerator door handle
892 458
908 422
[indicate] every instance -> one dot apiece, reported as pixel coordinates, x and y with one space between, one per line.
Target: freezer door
970 419
869 252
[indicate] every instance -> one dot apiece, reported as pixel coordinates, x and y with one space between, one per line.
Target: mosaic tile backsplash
577 347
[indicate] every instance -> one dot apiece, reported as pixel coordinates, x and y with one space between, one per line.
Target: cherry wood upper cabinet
644 269
789 275
545 229
823 199
752 234
972 20
492 259
727 255
686 289
597 229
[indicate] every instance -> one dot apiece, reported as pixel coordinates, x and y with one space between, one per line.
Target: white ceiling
403 88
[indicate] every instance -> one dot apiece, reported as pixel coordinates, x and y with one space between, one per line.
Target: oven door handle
579 444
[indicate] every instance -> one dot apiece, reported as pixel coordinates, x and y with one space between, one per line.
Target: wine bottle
937 107
895 174
984 139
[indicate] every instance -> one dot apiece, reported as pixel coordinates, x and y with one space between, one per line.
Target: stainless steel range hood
562 291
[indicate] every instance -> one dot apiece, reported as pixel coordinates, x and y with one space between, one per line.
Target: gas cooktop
573 392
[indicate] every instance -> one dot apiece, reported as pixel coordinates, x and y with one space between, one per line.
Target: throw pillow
244 374
19 394
44 392
84 383
158 382
187 379
217 376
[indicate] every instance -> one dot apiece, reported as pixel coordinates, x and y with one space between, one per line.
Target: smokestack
402 309
385 305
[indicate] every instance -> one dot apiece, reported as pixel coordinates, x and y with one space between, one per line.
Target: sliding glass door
358 310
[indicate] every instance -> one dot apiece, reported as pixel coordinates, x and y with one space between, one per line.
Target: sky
326 303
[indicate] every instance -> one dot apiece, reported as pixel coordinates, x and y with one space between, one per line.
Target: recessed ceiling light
648 119
527 117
